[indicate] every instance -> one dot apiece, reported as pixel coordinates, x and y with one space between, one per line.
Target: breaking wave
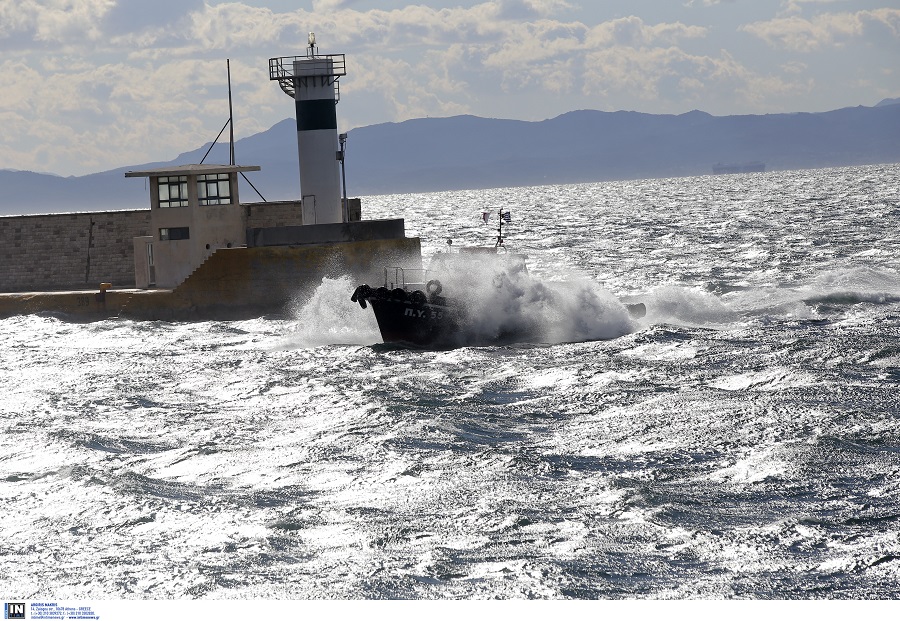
502 298
328 317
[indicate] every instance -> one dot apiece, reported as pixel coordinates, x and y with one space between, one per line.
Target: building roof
190 169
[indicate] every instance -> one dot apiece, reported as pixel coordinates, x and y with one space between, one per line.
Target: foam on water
819 293
501 297
687 307
770 379
553 312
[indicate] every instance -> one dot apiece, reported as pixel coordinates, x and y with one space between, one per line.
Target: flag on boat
485 215
506 216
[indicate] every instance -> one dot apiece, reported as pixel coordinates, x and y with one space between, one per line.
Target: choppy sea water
740 441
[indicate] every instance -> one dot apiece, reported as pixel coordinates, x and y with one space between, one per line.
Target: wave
819 296
328 317
502 301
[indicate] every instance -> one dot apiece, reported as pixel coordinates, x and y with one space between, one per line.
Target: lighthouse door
308 209
151 268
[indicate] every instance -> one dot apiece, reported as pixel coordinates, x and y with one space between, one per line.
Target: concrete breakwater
233 283
74 251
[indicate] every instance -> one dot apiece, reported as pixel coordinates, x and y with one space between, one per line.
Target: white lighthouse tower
312 81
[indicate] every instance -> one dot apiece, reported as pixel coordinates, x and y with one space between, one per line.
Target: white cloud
54 21
87 113
670 75
824 30
559 56
794 67
228 26
795 7
127 16
531 9
633 32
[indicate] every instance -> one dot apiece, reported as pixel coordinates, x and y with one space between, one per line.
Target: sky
92 85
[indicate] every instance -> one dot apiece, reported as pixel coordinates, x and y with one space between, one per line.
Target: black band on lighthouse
316 114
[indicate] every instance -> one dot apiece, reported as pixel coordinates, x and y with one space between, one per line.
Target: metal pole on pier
230 114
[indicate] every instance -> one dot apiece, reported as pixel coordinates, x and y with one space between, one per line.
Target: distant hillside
470 152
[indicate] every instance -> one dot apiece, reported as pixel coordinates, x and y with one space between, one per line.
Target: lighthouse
312 81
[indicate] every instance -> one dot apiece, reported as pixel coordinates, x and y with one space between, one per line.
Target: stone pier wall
69 251
74 251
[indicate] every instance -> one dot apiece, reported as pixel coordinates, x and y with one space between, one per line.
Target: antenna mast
230 114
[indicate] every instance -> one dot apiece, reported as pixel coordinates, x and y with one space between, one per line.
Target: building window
174 234
214 189
173 191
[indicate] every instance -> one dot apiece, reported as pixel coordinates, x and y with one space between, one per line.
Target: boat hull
421 325
432 322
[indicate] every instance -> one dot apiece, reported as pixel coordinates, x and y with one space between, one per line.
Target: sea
739 441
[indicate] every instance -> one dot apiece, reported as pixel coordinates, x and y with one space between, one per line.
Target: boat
412 309
473 296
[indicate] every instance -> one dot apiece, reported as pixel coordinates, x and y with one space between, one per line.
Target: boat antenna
499 243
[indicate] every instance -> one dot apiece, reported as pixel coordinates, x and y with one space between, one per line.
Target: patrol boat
411 307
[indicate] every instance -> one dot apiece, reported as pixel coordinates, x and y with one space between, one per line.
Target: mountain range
468 152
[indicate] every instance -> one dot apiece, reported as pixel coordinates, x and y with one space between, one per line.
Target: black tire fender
360 295
418 298
398 294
